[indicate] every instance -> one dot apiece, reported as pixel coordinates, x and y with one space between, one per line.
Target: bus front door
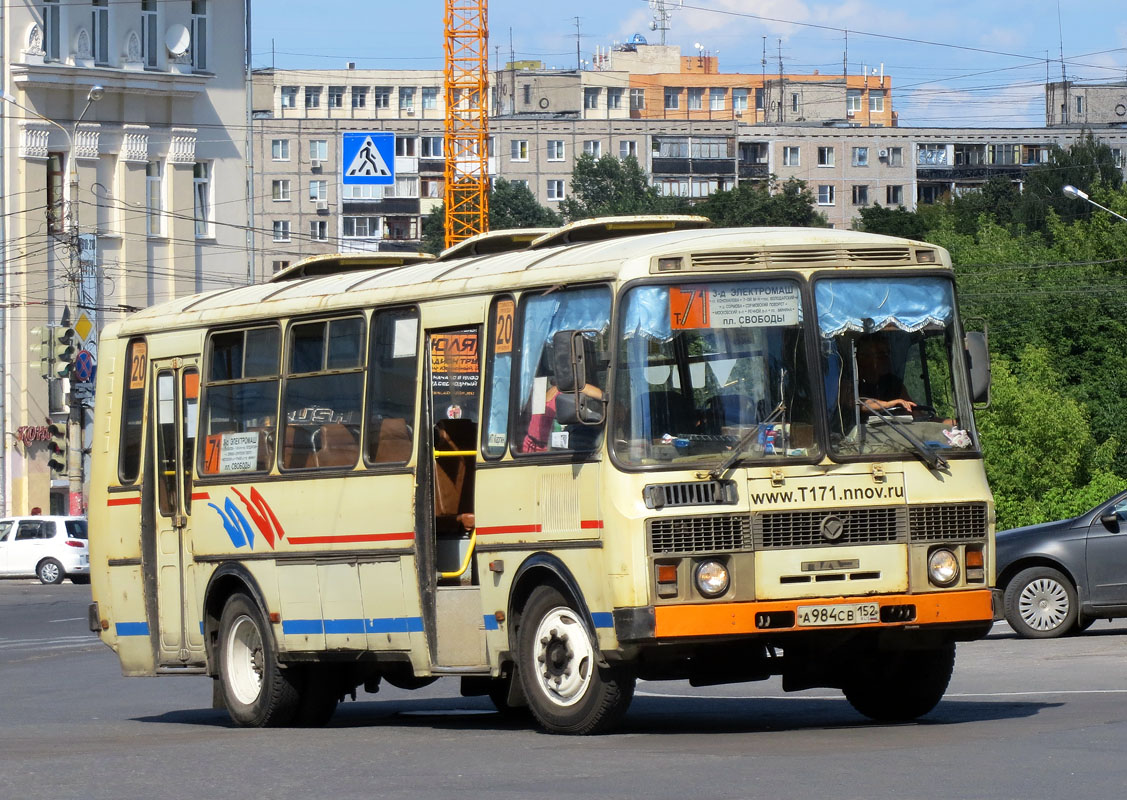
175 415
453 603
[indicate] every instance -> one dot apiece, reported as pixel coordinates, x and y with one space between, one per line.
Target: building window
716 99
280 190
51 31
319 230
362 192
671 147
637 99
590 98
359 96
930 194
360 227
696 99
593 147
405 186
555 150
289 97
401 228
150 43
896 156
825 195
281 230
432 187
56 215
199 35
520 182
100 31
201 184
318 190
760 100
430 98
1117 156
860 195
852 101
278 266
672 97
405 146
709 147
673 187
555 190
1079 104
381 97
794 101
154 198
318 149
614 99
876 101
432 147
894 195
280 149
825 156
312 96
526 93
931 155
518 150
1006 154
627 148
406 98
791 157
336 97
860 156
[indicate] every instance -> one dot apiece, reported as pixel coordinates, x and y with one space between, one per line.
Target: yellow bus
551 464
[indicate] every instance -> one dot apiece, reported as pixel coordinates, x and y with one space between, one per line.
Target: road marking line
947 696
68 619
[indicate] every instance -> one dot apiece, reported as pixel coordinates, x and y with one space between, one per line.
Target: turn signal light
974 559
666 573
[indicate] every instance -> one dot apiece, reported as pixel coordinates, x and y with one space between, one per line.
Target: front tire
568 692
257 691
50 571
1040 603
901 685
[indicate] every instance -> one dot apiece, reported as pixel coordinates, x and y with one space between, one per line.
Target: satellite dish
177 39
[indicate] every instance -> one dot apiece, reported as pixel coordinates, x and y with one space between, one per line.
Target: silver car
49 548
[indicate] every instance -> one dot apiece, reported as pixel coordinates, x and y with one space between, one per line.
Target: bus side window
392 384
498 375
132 410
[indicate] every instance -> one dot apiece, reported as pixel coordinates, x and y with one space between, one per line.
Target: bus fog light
712 578
942 567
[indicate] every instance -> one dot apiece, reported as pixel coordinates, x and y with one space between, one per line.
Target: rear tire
568 692
80 579
901 685
257 691
50 571
1040 603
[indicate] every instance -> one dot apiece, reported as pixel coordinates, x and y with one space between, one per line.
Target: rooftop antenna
578 58
663 9
1063 77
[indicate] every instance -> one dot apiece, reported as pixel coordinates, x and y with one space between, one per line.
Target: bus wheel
567 691
901 686
319 697
257 691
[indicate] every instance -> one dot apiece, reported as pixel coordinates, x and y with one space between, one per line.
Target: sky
952 63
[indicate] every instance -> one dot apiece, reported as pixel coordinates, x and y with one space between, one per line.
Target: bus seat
392 441
336 445
453 487
297 450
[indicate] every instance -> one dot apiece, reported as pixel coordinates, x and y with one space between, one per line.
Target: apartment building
159 153
1092 104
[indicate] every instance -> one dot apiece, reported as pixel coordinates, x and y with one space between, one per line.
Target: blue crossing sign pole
368 158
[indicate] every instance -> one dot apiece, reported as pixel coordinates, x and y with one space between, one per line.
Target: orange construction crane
467 123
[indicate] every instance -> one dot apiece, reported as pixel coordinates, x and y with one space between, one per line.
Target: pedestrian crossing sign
368 158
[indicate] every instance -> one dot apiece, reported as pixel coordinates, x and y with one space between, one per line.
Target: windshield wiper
738 449
925 454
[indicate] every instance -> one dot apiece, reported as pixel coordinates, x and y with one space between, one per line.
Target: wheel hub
1043 604
564 657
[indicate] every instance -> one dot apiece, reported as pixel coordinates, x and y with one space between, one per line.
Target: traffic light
57 447
46 348
64 350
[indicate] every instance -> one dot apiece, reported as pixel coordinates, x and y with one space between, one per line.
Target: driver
878 386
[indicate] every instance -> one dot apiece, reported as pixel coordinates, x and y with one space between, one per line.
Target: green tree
788 204
1087 164
511 205
897 221
610 186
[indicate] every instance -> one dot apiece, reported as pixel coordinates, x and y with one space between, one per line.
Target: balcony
753 171
693 166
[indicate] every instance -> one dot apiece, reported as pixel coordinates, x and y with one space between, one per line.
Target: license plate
840 614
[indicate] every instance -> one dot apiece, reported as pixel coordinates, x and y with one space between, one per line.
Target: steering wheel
924 412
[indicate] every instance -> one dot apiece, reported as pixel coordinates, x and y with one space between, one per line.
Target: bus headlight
942 567
712 578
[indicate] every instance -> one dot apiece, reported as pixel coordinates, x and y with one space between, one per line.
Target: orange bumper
726 619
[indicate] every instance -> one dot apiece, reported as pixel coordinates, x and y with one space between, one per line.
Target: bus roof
493 242
688 251
333 263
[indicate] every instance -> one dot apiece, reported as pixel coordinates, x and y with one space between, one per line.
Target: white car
49 548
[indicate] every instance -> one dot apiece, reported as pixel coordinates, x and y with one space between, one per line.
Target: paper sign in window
757 304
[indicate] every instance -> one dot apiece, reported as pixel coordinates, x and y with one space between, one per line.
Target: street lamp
75 421
1068 190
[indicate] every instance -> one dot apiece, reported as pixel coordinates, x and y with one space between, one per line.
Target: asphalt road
1023 719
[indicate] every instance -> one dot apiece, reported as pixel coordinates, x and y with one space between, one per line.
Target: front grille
781 529
957 521
706 534
819 256
879 255
690 493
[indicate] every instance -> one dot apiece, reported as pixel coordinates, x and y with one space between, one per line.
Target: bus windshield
706 366
890 353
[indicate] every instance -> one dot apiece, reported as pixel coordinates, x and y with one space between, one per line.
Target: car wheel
80 579
50 571
568 692
902 685
257 691
1040 603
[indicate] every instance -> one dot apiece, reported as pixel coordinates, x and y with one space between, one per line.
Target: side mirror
1110 521
573 360
576 408
978 362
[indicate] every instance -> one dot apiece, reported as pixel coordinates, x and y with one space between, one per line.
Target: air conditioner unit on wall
315 163
322 205
882 153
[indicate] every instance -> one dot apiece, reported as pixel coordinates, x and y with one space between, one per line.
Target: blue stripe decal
131 628
603 619
491 623
344 626
394 625
302 626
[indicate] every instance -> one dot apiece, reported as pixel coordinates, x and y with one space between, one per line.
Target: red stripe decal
359 537
201 496
588 524
499 529
123 501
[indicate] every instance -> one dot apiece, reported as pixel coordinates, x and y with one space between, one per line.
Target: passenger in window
878 385
541 425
